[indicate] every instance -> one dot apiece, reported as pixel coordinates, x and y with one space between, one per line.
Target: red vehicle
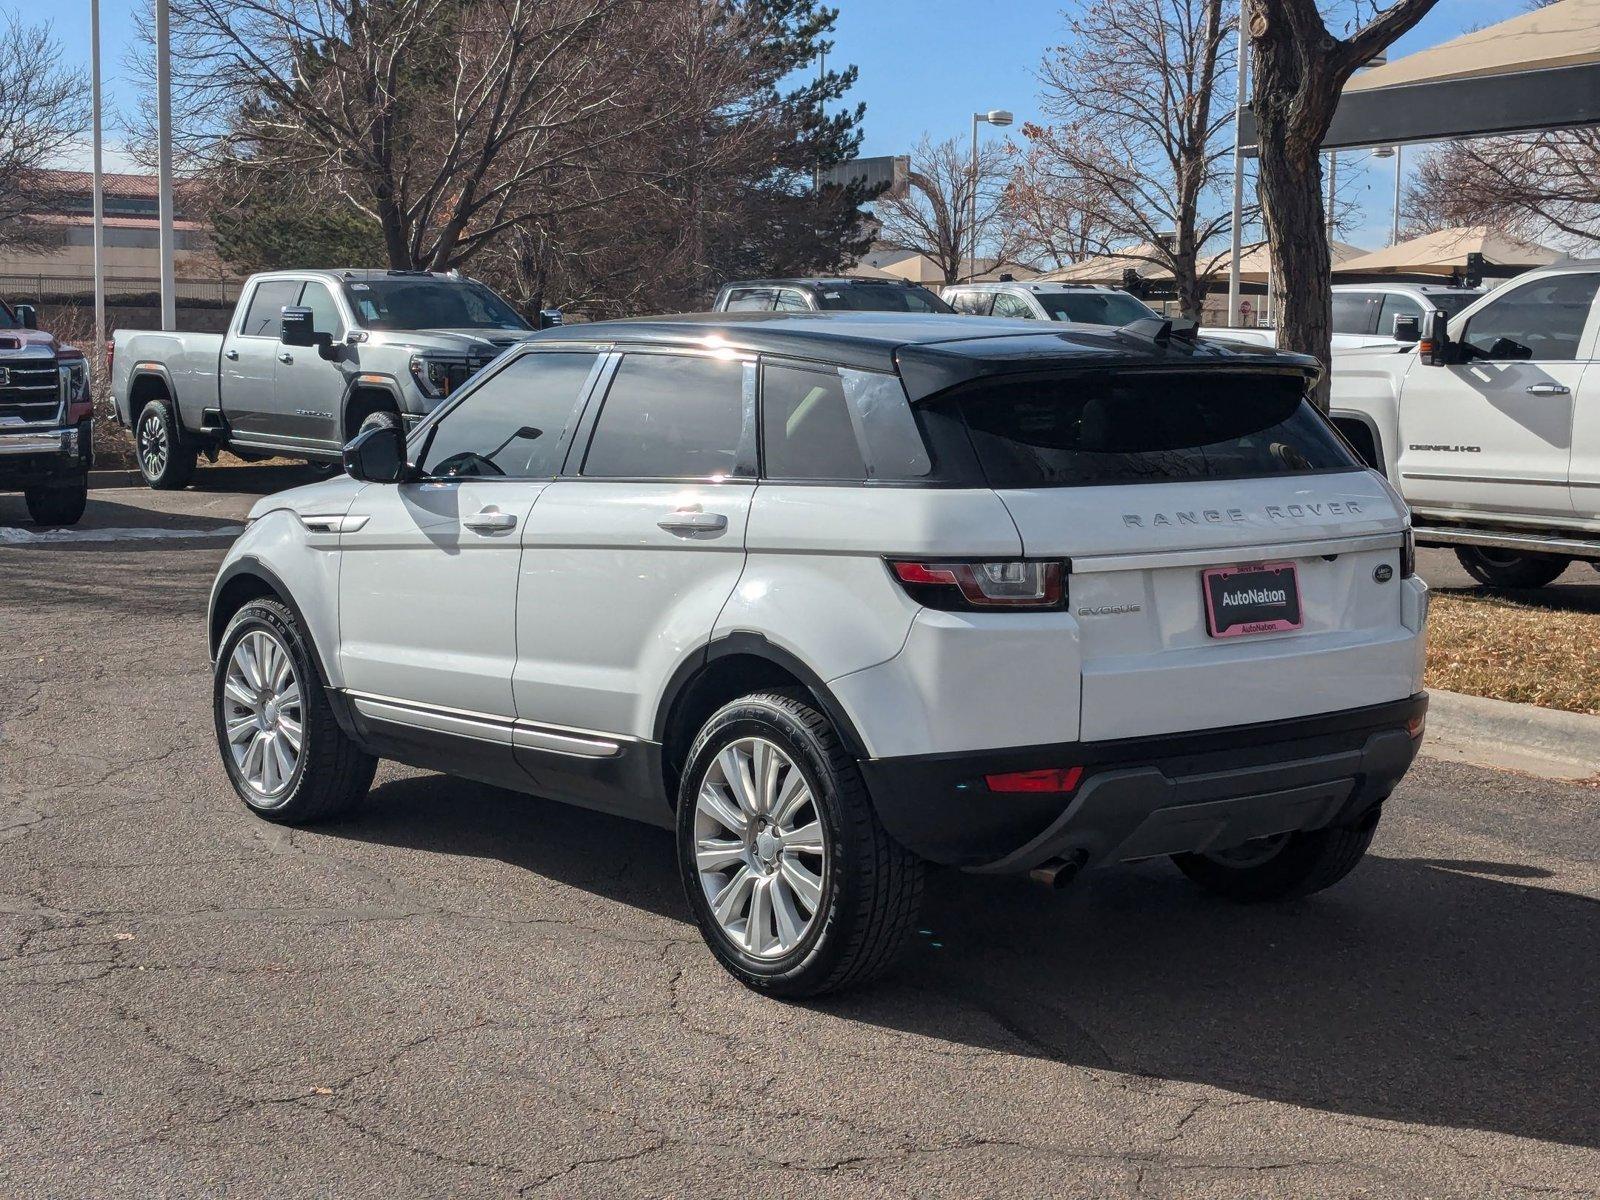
46 419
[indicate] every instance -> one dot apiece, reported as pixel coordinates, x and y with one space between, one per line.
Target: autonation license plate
1251 598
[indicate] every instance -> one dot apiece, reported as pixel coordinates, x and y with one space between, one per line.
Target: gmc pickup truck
46 419
309 359
1488 422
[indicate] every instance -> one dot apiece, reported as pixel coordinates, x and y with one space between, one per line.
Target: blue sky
926 65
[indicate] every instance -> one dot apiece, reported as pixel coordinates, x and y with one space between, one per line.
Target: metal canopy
1537 71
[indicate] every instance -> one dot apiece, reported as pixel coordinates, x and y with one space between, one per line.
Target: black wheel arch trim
156 371
755 645
1371 426
249 564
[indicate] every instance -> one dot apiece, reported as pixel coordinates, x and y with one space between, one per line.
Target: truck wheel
1284 867
165 460
58 503
795 884
283 750
382 419
1510 568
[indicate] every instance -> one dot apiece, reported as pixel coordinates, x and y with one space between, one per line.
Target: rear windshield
1093 308
886 297
1129 427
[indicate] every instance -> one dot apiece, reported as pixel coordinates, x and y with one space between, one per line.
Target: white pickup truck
1490 424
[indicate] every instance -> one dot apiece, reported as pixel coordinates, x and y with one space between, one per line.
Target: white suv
836 596
1073 303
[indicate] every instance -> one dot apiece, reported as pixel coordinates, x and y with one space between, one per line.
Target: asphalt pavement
463 992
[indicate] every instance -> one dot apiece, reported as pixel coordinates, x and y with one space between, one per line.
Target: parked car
46 419
837 596
1491 428
309 358
827 295
1364 314
1075 303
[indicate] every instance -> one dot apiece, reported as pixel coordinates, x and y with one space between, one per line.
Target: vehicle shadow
1441 992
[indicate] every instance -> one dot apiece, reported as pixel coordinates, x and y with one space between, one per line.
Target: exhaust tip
1057 872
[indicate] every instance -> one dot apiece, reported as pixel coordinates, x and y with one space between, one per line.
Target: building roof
933 351
1445 251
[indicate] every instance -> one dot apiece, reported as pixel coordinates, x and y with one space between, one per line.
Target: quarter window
670 417
1542 320
265 315
512 423
806 430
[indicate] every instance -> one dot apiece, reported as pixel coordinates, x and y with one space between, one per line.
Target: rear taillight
1051 779
964 586
1408 554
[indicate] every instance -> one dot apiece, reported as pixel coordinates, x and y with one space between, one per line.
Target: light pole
169 287
997 117
1241 67
99 358
1394 227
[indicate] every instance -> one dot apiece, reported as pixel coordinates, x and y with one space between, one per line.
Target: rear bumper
43 455
1142 797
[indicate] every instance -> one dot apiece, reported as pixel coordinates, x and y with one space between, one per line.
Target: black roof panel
932 350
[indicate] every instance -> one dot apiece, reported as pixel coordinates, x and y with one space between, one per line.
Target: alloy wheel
263 715
761 853
153 447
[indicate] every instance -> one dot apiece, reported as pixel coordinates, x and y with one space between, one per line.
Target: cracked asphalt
463 992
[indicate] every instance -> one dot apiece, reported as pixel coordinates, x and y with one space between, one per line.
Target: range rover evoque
837 596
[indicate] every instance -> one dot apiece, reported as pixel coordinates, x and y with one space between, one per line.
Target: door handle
693 521
1548 389
490 520
231 355
285 356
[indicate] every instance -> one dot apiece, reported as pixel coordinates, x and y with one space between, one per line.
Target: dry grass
1528 652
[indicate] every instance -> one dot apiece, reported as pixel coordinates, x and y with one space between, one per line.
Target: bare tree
1137 127
1056 218
447 122
43 109
1530 184
1300 69
933 216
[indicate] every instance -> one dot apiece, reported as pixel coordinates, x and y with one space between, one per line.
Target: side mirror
28 315
298 329
1436 349
377 456
1408 329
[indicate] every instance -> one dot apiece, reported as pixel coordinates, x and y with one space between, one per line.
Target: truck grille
30 391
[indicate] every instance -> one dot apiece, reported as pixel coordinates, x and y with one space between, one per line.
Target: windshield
416 303
886 297
1093 308
1450 303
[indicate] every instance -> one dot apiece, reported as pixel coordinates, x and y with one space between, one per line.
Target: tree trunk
1302 274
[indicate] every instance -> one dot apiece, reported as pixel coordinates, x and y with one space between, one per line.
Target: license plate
1251 598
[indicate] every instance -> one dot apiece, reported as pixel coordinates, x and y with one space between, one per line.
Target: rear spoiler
1161 331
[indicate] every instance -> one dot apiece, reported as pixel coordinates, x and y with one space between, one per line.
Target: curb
1521 737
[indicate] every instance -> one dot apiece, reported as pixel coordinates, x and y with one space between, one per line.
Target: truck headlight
75 381
437 377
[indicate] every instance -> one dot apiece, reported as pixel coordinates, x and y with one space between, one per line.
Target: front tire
58 504
1285 867
795 884
284 752
166 460
1510 568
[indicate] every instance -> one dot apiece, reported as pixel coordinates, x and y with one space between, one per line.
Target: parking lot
464 992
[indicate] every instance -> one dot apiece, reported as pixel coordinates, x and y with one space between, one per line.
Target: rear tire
1301 864
166 459
1510 568
263 697
58 503
802 892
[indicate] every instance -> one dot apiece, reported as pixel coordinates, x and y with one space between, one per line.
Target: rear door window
1101 427
806 430
1355 312
265 315
972 304
1008 305
669 416
1396 305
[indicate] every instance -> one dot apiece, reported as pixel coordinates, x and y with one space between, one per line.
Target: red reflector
1053 779
915 572
1416 725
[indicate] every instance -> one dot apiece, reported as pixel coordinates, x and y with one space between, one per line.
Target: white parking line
10 535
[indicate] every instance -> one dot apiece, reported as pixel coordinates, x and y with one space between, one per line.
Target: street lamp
996 117
1395 152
